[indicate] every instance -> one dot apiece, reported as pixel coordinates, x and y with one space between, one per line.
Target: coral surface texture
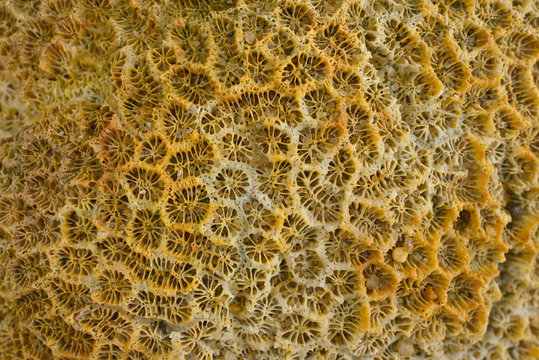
269 179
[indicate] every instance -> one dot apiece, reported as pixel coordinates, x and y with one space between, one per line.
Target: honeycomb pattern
276 179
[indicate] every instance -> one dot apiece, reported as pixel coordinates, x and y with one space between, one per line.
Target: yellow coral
269 179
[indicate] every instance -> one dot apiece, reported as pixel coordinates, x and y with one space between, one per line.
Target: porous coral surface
266 179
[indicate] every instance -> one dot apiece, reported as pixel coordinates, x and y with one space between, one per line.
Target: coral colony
269 179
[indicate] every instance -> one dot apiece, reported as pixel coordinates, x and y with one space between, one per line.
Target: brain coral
269 179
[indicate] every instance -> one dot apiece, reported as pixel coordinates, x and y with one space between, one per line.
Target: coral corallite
269 179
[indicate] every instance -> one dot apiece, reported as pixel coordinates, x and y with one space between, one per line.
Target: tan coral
280 179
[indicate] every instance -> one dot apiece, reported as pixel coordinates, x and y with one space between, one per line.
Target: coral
269 179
